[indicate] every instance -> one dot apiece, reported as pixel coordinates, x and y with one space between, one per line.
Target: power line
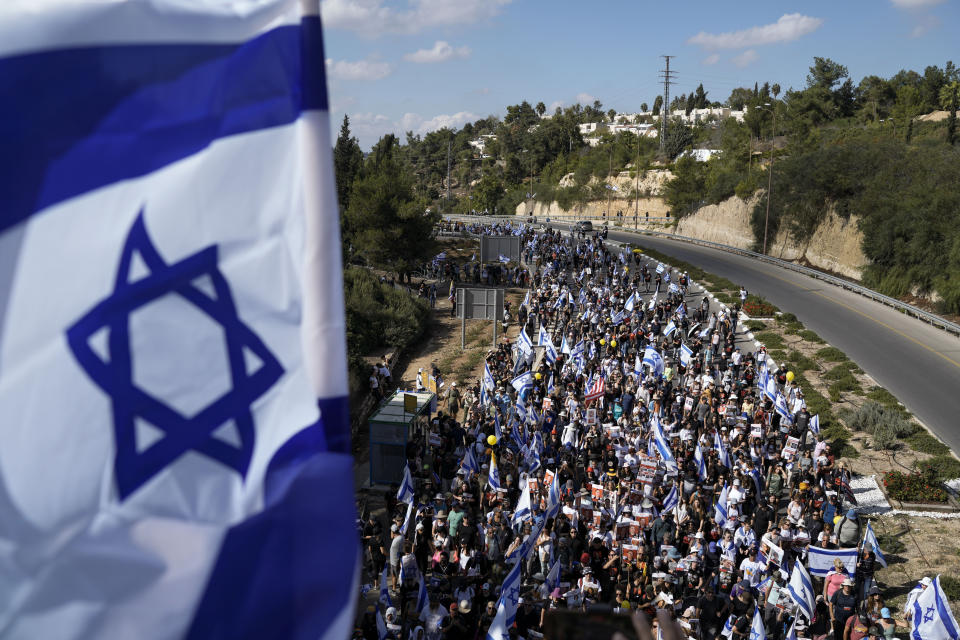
668 77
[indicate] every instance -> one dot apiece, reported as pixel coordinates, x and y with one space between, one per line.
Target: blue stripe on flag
273 573
115 112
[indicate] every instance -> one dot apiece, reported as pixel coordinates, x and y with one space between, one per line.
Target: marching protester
626 451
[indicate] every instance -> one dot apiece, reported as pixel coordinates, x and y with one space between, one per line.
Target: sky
420 65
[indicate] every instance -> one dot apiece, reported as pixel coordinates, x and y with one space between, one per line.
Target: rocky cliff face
835 246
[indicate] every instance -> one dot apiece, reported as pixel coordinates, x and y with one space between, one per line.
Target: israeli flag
553 496
542 336
384 586
672 500
670 328
171 316
405 493
686 355
701 463
653 359
504 259
728 626
524 342
660 268
771 389
506 606
815 428
631 302
780 406
549 351
488 381
720 510
801 590
553 577
666 277
757 630
663 448
721 450
523 382
484 396
493 479
870 539
423 599
550 387
673 288
616 317
820 561
522 511
406 519
382 631
526 299
565 346
637 368
469 462
932 618
496 427
532 459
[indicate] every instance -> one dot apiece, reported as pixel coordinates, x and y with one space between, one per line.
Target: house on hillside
700 155
480 144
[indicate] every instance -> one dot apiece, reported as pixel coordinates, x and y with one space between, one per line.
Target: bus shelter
396 422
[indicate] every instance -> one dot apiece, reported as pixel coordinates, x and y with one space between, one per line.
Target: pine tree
347 160
952 121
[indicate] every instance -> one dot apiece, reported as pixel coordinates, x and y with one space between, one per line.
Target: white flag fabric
493 478
405 493
506 606
757 630
686 354
720 509
870 538
820 561
932 618
171 320
801 590
522 511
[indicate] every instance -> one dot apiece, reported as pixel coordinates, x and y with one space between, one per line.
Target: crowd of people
624 453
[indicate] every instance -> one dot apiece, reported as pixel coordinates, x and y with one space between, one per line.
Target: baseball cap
885 613
848 583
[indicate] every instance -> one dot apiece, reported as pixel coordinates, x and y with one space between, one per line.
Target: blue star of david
115 375
928 614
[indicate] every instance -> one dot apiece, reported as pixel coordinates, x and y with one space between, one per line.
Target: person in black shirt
712 612
843 604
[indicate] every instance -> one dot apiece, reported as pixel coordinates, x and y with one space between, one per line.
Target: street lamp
773 136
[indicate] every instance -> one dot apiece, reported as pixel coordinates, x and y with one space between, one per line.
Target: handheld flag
870 539
384 586
493 479
522 511
653 359
553 576
686 355
820 561
815 424
720 510
701 463
506 606
144 232
721 450
670 328
523 382
932 618
631 302
423 599
405 493
382 631
757 630
801 590
672 500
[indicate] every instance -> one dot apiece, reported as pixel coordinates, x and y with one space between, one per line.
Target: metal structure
665 109
391 428
479 304
492 247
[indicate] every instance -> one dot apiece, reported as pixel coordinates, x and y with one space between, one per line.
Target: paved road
918 363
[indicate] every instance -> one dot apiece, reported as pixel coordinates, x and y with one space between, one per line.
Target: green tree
487 194
657 105
541 109
825 73
347 160
739 98
775 90
952 120
643 107
679 138
386 224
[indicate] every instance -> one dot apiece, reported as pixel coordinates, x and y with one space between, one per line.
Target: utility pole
449 143
665 110
636 169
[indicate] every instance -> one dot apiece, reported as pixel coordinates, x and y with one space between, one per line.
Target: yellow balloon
538 375
613 343
790 376
602 342
491 440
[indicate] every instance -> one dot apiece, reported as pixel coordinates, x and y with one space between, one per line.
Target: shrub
755 325
757 306
811 336
924 442
725 298
886 426
800 362
784 318
890 543
913 487
942 467
839 439
771 340
831 354
951 587
843 382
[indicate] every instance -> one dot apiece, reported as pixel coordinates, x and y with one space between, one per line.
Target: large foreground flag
820 561
932 618
171 314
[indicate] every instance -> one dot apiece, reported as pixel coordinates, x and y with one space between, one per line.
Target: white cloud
789 27
914 4
440 52
341 103
585 99
374 18
359 70
417 124
924 25
746 58
712 59
553 105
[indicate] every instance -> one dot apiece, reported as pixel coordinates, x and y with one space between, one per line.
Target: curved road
918 363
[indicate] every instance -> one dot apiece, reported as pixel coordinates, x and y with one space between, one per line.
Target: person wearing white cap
914 594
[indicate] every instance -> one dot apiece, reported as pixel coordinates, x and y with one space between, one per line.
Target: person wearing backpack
848 529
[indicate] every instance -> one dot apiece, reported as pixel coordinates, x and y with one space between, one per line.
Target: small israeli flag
801 590
701 463
522 511
406 493
493 479
721 450
631 302
757 630
550 387
720 509
523 382
670 328
815 425
660 268
672 500
504 259
932 618
506 606
870 539
686 355
384 586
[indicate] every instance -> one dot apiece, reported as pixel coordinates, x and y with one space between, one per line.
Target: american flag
595 390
